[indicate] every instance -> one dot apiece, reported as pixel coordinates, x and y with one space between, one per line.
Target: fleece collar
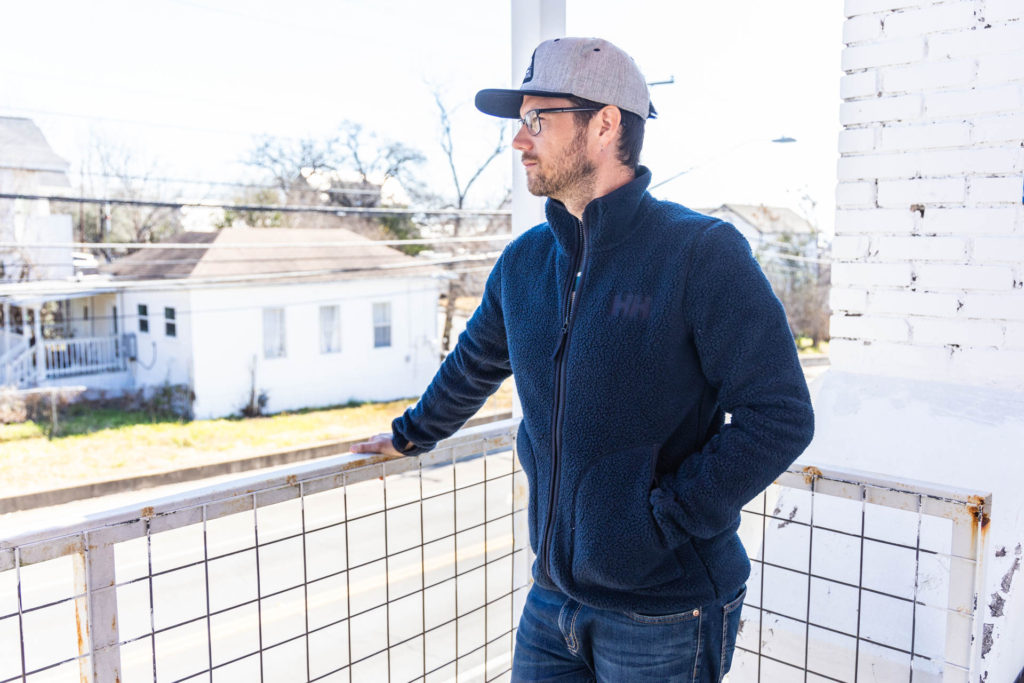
607 220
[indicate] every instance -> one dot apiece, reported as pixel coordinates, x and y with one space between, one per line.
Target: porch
349 568
45 341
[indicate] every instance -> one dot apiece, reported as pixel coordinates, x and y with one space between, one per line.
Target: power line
222 183
277 208
499 237
50 288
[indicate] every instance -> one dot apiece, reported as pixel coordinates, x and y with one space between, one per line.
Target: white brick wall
883 53
854 195
900 193
924 136
914 22
927 76
995 189
928 279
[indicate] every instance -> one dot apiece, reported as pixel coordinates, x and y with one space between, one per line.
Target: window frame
170 322
380 327
330 344
143 312
281 351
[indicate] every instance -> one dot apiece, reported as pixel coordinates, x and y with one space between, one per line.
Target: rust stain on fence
810 474
81 627
977 507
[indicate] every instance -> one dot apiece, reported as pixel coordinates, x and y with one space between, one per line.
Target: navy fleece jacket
636 480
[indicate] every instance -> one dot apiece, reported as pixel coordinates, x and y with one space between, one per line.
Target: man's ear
607 121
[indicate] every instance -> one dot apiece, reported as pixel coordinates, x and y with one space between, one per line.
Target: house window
273 333
143 318
382 324
85 312
330 329
170 325
114 318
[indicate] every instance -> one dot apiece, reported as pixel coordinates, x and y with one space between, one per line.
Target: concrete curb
38 499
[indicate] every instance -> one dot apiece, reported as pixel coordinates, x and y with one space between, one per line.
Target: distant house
29 166
304 317
770 228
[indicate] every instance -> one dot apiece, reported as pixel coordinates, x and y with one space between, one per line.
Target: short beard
572 177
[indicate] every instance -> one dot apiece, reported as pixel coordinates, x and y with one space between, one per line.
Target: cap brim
506 103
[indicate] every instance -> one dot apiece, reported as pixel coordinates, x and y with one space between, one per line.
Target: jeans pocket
730 628
678 617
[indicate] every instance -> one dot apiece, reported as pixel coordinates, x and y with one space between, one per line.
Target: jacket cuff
402 444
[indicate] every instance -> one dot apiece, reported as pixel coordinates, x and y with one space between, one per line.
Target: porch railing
86 355
859 577
18 369
350 569
345 569
12 346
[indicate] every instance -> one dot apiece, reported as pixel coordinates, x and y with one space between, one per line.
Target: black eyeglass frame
534 114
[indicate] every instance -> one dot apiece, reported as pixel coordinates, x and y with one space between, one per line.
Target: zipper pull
562 337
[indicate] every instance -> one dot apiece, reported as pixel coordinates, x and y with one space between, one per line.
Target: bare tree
801 282
348 169
291 162
466 284
120 172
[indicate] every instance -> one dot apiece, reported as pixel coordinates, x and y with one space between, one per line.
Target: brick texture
928 259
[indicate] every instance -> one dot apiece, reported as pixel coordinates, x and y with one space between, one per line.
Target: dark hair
631 140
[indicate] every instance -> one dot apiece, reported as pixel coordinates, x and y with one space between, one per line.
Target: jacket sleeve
473 370
748 355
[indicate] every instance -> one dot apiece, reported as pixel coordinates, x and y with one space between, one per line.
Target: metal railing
351 568
87 355
857 577
416 568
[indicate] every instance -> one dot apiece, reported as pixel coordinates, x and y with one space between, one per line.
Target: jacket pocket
616 541
524 451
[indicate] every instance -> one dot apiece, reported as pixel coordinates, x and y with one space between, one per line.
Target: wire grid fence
412 569
857 578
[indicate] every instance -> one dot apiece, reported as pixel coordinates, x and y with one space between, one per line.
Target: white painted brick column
927 297
929 201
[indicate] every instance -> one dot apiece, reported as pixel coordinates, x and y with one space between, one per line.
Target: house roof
291 253
24 147
767 219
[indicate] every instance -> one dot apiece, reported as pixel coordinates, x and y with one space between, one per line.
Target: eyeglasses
531 119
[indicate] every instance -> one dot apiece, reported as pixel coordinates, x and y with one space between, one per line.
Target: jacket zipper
575 276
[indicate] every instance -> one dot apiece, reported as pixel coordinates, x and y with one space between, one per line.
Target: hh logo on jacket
631 306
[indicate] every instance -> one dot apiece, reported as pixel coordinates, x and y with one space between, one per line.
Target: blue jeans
562 640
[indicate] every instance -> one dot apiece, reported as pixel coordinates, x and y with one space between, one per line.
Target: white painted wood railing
66 357
17 370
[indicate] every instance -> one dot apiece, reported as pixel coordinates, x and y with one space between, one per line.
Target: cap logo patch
529 70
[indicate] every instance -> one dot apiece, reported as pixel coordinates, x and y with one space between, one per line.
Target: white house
770 229
28 166
304 317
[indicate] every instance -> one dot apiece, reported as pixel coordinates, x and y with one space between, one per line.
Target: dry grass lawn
31 462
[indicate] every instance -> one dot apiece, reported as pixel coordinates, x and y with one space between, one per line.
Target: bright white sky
188 84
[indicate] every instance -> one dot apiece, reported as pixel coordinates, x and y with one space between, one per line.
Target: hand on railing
379 443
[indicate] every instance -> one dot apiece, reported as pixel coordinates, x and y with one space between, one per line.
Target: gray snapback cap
590 68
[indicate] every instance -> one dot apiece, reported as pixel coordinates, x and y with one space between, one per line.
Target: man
633 327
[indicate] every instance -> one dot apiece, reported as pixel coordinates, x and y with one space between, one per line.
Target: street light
782 139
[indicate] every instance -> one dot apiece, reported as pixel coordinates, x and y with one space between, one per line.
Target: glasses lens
532 122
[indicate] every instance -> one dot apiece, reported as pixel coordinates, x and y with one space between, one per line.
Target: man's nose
522 141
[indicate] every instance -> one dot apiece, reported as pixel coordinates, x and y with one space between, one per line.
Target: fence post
96 612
